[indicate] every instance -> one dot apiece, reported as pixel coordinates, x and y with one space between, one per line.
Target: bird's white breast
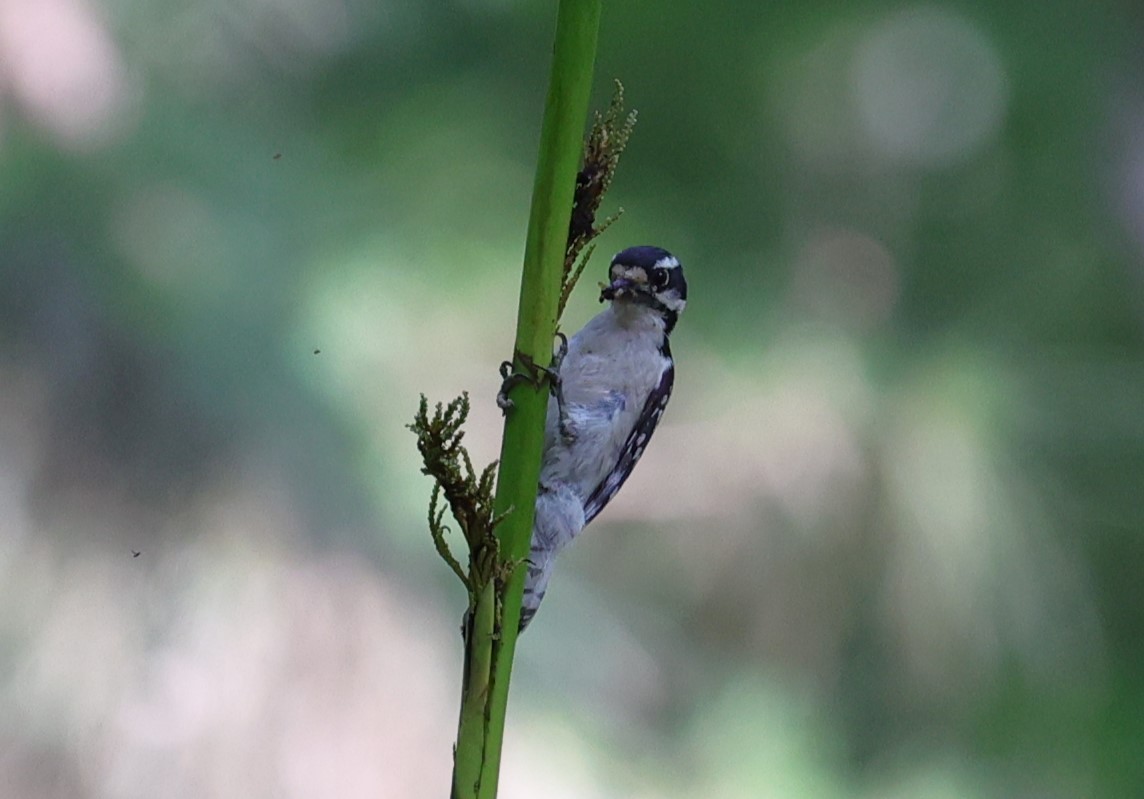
612 365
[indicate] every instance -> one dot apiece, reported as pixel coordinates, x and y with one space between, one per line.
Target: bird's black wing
634 446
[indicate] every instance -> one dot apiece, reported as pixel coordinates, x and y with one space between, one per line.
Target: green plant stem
477 763
475 692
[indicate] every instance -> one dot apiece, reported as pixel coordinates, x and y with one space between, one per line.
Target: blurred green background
887 543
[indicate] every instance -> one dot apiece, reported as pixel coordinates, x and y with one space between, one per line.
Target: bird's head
650 277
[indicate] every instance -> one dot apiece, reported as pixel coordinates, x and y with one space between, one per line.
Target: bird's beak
618 289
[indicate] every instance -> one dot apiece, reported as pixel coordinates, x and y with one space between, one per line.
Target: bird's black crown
651 259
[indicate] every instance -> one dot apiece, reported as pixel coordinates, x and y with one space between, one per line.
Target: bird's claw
558 389
533 375
508 381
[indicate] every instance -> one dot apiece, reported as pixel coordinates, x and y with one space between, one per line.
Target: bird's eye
659 278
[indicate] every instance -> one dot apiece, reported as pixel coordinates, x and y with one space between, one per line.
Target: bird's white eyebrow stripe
671 262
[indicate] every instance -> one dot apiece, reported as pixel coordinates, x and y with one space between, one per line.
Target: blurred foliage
900 550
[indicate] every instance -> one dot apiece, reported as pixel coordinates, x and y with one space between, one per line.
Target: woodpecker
611 383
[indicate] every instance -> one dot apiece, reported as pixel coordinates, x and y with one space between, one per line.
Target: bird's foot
534 374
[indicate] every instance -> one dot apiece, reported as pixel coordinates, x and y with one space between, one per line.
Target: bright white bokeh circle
929 87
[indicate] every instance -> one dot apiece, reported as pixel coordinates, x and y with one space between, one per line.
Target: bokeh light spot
63 66
929 87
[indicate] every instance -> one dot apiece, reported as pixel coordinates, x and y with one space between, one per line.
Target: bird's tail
559 518
535 585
